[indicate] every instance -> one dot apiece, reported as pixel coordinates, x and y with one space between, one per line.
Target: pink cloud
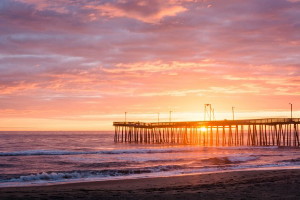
41 5
66 59
145 11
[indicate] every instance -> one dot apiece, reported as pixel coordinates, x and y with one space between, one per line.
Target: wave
106 164
249 147
125 151
58 176
6 165
109 174
294 160
229 160
49 177
122 151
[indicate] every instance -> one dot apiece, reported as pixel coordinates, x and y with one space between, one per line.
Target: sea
48 158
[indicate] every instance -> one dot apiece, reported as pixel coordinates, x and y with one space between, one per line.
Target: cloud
82 57
160 66
145 11
59 6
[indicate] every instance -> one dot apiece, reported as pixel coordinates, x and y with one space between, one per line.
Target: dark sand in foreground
279 184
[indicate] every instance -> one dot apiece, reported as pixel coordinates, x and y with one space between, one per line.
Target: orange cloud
160 66
18 88
139 10
65 60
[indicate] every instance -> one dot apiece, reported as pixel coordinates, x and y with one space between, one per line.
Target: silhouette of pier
250 132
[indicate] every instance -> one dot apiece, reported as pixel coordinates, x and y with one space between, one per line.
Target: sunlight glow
203 129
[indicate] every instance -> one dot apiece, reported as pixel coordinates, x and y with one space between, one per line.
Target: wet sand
271 184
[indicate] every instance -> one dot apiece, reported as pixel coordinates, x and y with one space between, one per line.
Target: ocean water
44 158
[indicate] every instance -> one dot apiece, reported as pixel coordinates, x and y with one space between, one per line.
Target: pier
250 132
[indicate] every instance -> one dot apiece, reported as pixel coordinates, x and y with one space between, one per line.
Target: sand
269 184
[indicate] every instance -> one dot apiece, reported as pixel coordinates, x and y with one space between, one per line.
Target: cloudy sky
80 64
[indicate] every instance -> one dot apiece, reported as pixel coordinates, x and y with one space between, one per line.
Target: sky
81 64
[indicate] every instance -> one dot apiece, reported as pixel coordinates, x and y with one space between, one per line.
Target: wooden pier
251 132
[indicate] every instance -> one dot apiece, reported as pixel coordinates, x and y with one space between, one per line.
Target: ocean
45 158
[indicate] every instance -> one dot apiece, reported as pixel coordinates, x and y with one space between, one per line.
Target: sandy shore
279 184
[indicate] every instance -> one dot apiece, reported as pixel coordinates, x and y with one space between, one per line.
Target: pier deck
250 132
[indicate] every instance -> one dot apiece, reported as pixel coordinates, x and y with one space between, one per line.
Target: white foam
49 176
122 151
73 177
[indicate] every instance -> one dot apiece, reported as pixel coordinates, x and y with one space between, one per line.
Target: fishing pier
250 132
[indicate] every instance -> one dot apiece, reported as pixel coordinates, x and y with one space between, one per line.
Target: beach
260 184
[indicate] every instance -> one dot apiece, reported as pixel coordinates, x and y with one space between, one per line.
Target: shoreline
258 184
146 176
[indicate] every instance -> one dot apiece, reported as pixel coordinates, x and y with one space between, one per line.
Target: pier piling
251 132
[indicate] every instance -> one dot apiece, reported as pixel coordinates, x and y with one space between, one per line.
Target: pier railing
251 132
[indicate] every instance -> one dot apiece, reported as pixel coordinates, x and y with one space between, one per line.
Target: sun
203 129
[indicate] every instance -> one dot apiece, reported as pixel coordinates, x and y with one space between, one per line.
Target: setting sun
203 129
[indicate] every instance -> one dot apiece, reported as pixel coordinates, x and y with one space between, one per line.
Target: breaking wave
229 160
124 151
57 176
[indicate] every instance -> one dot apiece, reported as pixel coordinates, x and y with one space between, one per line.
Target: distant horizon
164 117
